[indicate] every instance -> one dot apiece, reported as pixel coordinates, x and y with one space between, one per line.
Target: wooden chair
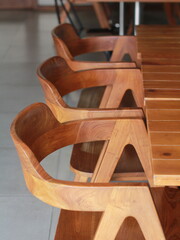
91 210
57 79
68 45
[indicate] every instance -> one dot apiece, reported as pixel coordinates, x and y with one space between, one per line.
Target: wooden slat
163 114
158 53
160 69
164 138
164 126
166 152
167 167
161 61
166 104
164 94
161 76
162 85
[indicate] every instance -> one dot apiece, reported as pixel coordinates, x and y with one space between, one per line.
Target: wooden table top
163 121
160 49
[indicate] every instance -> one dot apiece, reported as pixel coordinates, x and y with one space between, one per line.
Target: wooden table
160 48
163 121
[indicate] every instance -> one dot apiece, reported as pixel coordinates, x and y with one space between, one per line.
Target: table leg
136 15
121 18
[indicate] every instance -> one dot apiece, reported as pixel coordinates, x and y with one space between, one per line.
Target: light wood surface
163 119
57 79
36 133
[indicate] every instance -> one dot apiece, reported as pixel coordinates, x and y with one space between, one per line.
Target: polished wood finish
165 47
163 119
57 79
68 45
36 134
162 85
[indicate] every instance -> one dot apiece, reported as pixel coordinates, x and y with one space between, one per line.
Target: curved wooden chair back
36 134
69 45
57 80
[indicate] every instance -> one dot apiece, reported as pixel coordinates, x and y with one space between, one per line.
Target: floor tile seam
16 195
58 164
5 53
21 62
51 223
21 108
7 148
19 85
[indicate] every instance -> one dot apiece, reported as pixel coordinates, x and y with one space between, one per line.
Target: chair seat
75 225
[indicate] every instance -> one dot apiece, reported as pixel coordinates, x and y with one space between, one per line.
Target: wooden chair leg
169 13
100 13
80 178
126 131
135 202
63 15
129 81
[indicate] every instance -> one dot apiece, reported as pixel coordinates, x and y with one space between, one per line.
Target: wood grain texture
35 139
163 119
164 198
165 47
57 79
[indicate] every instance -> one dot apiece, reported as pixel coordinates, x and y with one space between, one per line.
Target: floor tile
6 120
54 221
27 53
15 98
11 175
23 74
24 218
64 172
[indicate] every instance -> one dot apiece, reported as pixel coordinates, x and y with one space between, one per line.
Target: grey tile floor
25 42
